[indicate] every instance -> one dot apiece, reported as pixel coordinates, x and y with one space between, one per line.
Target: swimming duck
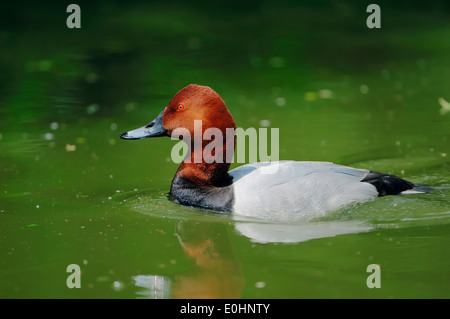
297 189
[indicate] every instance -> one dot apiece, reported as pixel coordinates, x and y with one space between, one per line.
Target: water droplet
49 136
93 108
54 126
280 101
364 89
264 123
70 147
325 94
260 284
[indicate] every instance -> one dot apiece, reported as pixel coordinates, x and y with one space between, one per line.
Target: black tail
388 184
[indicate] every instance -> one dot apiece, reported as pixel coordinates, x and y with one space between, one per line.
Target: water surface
72 192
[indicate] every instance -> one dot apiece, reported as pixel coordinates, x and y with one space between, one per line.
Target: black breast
185 192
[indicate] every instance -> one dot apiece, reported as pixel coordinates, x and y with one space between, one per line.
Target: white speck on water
444 154
118 191
109 197
280 101
364 89
93 108
54 126
49 136
260 284
264 123
37 206
111 176
325 94
85 262
117 285
113 126
445 106
70 147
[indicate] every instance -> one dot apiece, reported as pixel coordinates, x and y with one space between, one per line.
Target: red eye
180 107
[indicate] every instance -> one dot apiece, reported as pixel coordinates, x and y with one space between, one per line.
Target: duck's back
296 190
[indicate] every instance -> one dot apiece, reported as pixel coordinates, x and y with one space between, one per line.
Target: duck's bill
153 129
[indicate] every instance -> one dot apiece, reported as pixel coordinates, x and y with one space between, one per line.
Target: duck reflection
216 275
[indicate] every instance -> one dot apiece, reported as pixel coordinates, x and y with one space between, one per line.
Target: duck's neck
211 170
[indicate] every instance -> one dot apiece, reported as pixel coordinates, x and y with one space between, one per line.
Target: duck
295 190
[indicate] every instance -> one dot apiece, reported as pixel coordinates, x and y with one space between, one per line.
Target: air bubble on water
37 206
70 147
85 262
260 284
280 101
117 285
264 123
49 136
93 108
364 89
54 126
325 94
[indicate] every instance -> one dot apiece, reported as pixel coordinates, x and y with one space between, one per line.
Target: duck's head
194 102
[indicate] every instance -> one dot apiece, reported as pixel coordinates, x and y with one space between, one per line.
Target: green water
72 192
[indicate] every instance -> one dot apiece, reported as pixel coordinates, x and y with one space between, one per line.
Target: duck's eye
180 107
